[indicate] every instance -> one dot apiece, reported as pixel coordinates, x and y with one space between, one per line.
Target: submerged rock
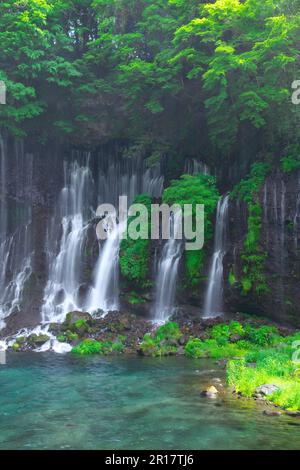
272 413
210 392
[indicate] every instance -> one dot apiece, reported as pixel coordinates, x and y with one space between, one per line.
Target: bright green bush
87 347
263 336
91 346
211 348
194 348
162 342
168 331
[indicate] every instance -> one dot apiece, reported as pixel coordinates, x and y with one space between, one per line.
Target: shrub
87 347
263 336
164 341
91 346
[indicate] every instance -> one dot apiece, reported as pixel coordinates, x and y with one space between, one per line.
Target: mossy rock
38 339
21 339
74 317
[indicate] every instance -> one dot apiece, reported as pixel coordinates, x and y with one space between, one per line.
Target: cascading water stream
104 294
168 271
61 292
15 240
213 304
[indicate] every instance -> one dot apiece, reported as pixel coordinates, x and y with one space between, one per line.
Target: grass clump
163 342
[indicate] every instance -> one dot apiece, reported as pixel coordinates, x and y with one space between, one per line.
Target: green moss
135 254
253 257
80 327
200 189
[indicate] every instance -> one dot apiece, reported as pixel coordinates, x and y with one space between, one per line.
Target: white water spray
213 304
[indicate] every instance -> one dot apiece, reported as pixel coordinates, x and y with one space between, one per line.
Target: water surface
49 401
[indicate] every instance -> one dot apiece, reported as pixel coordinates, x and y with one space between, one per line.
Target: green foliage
87 347
291 161
135 299
223 333
146 62
135 254
67 336
168 331
90 346
232 340
263 336
231 278
200 189
290 164
271 362
162 342
272 366
211 348
253 276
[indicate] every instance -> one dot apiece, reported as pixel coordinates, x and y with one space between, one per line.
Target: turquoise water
48 401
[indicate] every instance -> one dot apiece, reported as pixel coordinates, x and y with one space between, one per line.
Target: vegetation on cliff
135 254
253 257
200 189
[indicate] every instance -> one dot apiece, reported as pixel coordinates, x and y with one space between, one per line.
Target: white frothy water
167 273
213 304
104 294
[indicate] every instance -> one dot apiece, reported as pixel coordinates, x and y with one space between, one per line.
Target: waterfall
61 292
65 247
128 177
104 294
15 231
213 304
194 167
168 271
112 183
297 217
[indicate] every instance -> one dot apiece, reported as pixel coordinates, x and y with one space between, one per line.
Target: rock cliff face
31 184
279 241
